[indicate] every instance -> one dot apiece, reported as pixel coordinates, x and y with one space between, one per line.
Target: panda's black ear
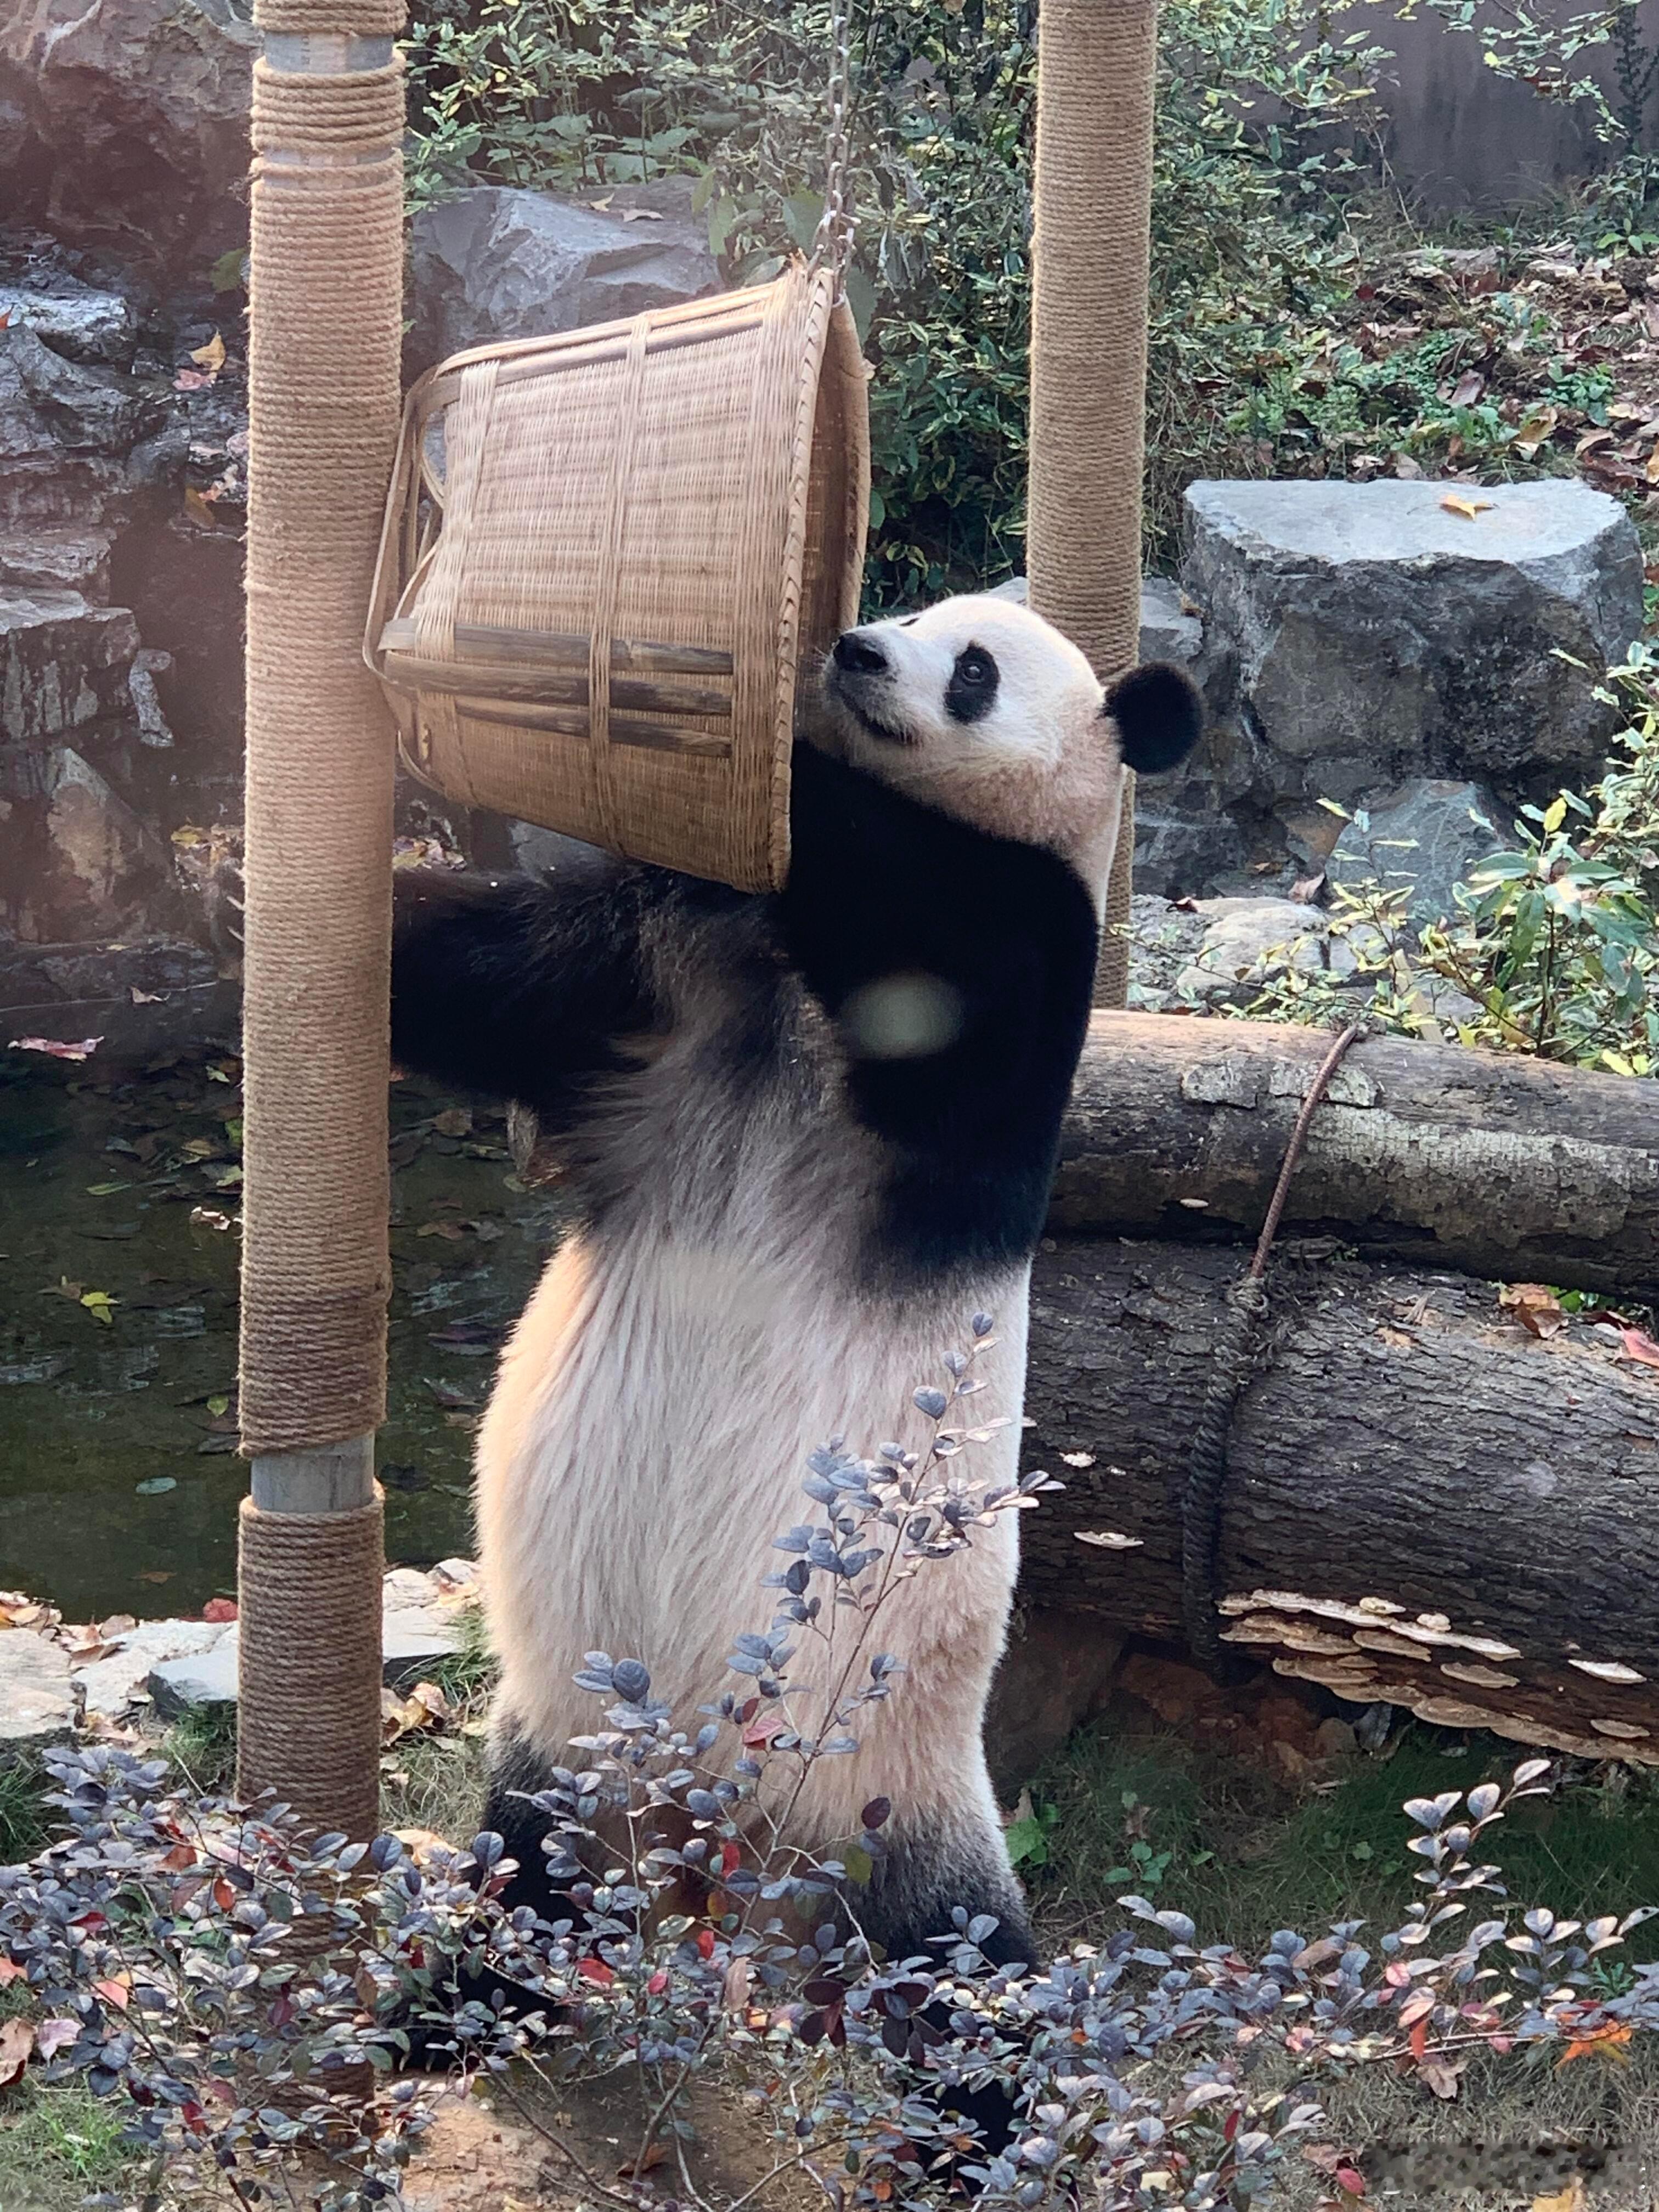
1159 713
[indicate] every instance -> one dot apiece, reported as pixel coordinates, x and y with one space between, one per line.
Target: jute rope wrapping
326 330
1096 62
309 1724
325 293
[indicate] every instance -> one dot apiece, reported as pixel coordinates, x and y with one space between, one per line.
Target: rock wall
123 441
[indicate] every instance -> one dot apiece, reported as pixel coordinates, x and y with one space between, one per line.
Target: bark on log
1426 1505
1508 1168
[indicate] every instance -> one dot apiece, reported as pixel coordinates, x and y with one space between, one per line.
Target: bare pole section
1096 61
325 305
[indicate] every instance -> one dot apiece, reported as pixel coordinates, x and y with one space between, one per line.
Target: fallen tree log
1425 1505
1505 1167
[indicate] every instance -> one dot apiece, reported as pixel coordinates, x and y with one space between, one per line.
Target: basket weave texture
610 557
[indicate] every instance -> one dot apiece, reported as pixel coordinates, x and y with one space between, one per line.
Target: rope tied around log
1234 1360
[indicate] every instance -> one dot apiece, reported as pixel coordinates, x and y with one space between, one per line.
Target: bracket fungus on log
1426 1505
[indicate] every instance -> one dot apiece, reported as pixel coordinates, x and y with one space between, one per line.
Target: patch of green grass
467 1676
25 1816
1246 1857
437 1781
202 1745
59 2144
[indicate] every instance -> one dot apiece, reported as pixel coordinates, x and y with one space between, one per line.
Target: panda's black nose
855 653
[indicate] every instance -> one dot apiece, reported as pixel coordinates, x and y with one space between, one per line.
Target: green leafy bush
1553 947
1251 238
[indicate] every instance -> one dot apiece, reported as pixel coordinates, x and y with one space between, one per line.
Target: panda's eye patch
972 690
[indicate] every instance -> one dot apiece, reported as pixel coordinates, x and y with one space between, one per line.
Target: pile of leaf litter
1483 363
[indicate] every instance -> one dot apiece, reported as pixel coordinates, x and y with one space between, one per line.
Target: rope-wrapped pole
1095 67
325 301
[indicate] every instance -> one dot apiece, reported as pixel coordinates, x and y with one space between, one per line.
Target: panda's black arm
513 987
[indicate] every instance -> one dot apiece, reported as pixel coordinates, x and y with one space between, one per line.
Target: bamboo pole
1096 68
325 336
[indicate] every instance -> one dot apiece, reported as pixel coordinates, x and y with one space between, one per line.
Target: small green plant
1146 1867
1028 1835
1553 944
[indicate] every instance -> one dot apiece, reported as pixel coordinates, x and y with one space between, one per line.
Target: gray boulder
1170 626
500 263
1180 849
65 430
108 870
1371 632
126 123
1426 837
63 665
72 318
59 555
1246 942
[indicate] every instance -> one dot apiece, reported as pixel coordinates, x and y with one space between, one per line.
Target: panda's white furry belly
645 1445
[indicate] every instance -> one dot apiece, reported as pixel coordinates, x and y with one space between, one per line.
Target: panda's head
981 708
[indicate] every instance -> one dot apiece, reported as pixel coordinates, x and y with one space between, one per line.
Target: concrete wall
1461 136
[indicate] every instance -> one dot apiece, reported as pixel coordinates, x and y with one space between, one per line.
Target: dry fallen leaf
211 356
631 2168
55 1048
1443 2078
1607 2043
425 1707
1640 1346
1536 1308
1572 2199
54 2035
1455 503
16 2042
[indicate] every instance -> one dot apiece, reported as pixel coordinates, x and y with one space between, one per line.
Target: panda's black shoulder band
1159 714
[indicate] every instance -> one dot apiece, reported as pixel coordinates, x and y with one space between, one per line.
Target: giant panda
812 1133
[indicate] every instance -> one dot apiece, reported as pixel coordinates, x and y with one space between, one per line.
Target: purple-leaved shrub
249 1991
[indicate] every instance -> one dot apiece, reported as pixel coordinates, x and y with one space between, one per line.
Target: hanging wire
832 246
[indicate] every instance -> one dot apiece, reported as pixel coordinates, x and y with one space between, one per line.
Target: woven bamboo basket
609 558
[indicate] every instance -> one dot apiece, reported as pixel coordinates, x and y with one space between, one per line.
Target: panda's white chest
648 1436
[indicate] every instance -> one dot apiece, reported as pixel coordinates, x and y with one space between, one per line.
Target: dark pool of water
118 1475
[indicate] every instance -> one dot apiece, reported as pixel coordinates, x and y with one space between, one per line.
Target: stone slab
1373 632
37 1697
109 1686
1247 941
413 1639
